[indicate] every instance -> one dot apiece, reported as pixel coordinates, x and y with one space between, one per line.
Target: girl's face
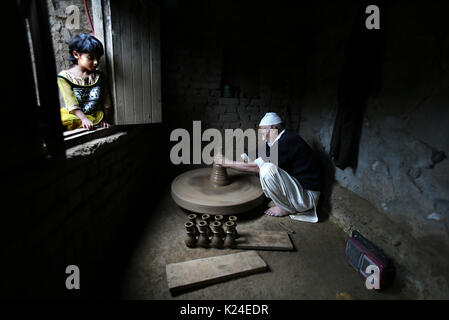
86 61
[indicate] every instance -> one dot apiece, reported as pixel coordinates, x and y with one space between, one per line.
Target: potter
295 184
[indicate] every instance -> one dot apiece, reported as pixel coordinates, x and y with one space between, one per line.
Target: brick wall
199 59
76 212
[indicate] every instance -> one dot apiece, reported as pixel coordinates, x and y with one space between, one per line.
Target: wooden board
194 273
264 240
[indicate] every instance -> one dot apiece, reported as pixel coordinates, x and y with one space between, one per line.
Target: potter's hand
219 159
223 161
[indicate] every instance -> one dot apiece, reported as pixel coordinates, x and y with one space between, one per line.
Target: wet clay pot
229 241
233 219
219 176
203 240
203 226
190 239
217 227
217 240
192 218
230 228
219 218
206 217
190 226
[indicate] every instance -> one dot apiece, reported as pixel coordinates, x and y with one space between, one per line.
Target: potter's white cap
270 118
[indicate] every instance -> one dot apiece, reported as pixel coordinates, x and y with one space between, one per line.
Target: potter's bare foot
276 211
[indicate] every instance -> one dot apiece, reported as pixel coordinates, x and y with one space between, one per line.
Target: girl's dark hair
85 43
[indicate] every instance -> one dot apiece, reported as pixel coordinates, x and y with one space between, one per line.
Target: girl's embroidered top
88 94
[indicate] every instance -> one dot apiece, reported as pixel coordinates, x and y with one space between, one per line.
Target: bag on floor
370 261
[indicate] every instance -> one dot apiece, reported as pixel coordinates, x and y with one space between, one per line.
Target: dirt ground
316 269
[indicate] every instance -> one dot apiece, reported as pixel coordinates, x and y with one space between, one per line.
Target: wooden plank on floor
264 240
195 273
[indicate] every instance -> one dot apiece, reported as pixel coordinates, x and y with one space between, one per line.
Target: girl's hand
87 124
104 124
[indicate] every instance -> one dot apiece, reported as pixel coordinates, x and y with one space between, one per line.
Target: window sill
84 142
79 136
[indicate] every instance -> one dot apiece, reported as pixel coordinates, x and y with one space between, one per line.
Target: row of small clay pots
216 241
213 236
204 223
205 234
207 217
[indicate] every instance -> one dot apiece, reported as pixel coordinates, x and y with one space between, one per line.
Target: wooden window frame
103 27
42 66
102 23
49 127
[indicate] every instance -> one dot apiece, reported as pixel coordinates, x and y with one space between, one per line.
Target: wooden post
46 77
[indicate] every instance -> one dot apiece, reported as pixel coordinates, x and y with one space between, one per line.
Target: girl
83 87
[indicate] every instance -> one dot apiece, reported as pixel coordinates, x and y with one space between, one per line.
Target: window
130 32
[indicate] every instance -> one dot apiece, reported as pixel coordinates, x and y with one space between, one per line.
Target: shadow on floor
328 168
110 273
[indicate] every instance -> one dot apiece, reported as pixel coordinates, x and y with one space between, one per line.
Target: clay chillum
190 239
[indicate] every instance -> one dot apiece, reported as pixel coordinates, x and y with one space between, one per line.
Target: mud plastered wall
403 166
66 18
63 18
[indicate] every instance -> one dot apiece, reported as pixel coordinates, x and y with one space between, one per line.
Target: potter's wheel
217 191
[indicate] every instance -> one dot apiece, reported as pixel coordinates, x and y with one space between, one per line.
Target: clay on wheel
196 191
